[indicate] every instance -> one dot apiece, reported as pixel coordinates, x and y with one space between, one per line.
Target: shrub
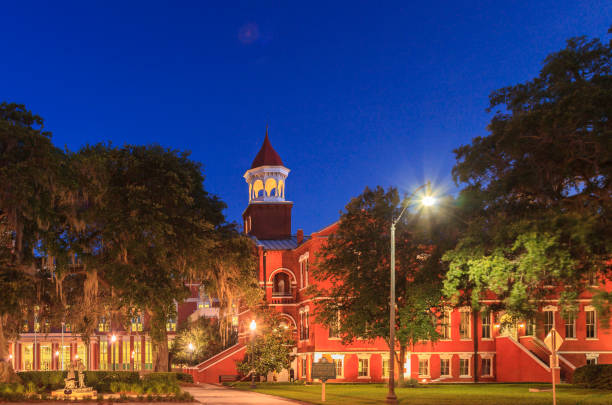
98 380
594 376
184 377
409 383
47 380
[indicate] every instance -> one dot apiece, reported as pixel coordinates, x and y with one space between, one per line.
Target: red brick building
513 354
509 354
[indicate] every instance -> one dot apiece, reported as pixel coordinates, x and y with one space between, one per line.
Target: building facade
474 345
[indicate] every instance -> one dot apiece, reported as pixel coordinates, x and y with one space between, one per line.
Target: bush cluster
594 376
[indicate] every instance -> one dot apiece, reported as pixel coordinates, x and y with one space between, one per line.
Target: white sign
553 340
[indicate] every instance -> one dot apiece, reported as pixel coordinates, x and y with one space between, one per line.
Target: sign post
323 370
553 341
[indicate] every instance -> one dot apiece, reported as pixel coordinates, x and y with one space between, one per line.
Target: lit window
423 367
486 325
340 367
137 354
385 367
570 326
485 367
103 325
137 323
464 326
549 317
591 329
445 367
364 365
171 325
464 367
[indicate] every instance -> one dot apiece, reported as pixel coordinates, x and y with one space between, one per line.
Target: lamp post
113 340
253 327
427 201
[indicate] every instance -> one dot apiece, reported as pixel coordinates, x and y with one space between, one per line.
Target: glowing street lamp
427 200
253 325
113 340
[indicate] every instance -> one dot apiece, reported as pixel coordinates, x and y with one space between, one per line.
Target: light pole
427 200
113 340
253 327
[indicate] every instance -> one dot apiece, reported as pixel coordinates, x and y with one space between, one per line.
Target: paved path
218 395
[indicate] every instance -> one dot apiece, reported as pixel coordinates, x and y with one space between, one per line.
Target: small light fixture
132 353
76 356
496 326
57 353
521 325
113 338
253 325
190 347
11 356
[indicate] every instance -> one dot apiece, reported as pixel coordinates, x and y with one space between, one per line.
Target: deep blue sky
355 93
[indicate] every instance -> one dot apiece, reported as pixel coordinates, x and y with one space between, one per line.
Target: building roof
266 156
279 244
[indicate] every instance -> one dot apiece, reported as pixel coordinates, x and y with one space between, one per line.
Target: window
334 328
549 318
45 358
137 353
304 332
137 323
103 325
364 370
464 367
385 367
486 324
103 355
445 367
570 326
446 325
304 270
530 327
591 361
464 326
591 330
340 367
171 325
126 355
485 367
148 357
281 286
65 357
423 367
304 367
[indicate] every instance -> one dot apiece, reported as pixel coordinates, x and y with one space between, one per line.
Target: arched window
282 284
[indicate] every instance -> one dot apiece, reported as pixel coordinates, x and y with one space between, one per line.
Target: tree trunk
475 340
400 365
159 341
7 374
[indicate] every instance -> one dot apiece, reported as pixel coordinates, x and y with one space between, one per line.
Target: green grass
443 394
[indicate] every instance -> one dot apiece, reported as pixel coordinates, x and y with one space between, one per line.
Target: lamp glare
253 325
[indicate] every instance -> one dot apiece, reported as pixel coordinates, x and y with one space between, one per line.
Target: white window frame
384 358
365 357
594 357
447 326
469 366
426 358
335 359
488 315
572 325
304 370
448 358
548 326
468 312
590 308
490 358
337 337
304 270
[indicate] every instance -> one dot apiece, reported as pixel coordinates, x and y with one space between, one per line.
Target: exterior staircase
540 350
218 367
526 365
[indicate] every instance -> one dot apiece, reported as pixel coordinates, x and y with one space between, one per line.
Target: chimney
300 236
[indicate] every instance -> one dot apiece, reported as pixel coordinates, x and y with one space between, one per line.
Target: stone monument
71 390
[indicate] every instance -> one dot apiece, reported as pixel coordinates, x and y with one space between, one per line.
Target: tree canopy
538 186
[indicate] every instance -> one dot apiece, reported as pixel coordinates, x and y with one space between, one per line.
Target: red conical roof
266 156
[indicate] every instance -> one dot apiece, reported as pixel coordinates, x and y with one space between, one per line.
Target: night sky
355 93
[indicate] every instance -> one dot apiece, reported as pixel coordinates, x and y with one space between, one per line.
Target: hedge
101 380
98 380
594 376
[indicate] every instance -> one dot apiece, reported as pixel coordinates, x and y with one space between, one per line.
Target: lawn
455 394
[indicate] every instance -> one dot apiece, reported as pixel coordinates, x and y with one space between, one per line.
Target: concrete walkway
218 395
